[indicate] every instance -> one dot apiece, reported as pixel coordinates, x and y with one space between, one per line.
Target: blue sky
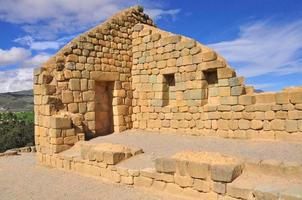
261 39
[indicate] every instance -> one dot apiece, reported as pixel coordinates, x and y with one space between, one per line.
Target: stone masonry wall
205 97
64 87
161 82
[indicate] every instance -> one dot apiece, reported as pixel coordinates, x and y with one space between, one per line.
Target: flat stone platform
157 145
260 170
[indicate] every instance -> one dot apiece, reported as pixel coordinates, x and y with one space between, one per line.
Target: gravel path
21 178
158 145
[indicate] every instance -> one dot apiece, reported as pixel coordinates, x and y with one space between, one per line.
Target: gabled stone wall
161 81
64 87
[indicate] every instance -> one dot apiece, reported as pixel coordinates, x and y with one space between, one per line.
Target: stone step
251 185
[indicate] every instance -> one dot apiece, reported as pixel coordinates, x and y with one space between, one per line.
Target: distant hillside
16 101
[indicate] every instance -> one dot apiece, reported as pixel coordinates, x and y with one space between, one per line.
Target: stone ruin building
128 74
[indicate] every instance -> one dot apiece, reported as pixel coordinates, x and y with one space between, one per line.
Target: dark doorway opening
103 108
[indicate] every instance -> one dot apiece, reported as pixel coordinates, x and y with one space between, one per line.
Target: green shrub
16 130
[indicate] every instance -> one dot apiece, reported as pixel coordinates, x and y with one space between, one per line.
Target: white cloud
22 77
13 56
262 48
157 14
42 45
16 80
36 60
48 18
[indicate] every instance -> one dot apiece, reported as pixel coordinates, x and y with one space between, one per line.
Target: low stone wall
210 178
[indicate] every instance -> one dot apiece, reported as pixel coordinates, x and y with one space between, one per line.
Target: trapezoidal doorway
103 108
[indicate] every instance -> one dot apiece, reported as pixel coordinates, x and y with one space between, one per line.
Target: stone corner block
225 172
165 165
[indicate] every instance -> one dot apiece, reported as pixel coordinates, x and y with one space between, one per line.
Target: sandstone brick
237 90
291 126
60 122
159 185
277 125
224 73
142 181
236 81
238 192
88 96
219 188
282 98
183 181
256 124
209 56
198 170
295 97
166 165
232 100
70 140
244 124
265 98
247 100
104 76
187 60
74 84
173 188
224 91
202 185
113 158
225 172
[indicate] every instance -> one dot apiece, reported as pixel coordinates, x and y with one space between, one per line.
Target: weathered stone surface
225 172
60 122
166 165
198 170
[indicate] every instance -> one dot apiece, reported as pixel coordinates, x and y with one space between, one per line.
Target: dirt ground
21 178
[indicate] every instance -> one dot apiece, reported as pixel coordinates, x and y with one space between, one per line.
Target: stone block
112 158
183 181
46 89
88 96
166 165
159 185
265 98
104 76
256 124
74 84
198 170
238 192
225 172
237 90
232 100
236 81
247 100
225 91
143 181
202 185
209 56
70 140
277 124
169 70
173 188
291 126
219 188
295 97
225 73
211 65
187 60
282 98
58 122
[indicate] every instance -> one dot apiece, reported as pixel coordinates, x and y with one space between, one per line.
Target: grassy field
16 130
